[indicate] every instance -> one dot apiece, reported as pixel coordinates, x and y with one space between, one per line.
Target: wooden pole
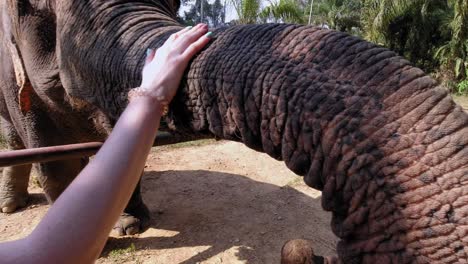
63 152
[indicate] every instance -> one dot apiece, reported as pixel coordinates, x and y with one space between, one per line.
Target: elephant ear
169 7
176 5
24 97
22 80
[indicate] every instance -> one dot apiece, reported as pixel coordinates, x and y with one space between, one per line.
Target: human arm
76 227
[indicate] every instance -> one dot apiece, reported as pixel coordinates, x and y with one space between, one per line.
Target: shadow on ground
36 199
222 211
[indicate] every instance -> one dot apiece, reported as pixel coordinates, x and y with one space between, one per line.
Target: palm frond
287 11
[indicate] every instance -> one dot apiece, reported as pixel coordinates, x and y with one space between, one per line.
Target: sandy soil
462 100
210 202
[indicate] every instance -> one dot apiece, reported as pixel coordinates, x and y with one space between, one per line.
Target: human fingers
180 33
191 36
149 56
196 46
171 43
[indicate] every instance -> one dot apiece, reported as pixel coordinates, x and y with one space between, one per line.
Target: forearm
85 213
76 227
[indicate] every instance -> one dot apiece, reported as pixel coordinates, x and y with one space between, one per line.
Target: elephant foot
131 223
300 251
9 203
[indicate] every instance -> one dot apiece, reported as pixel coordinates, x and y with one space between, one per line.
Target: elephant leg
135 217
14 180
14 188
55 176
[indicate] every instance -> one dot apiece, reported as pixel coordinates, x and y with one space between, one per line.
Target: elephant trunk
383 142
101 48
385 145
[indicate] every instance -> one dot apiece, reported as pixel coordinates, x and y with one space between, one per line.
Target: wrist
159 103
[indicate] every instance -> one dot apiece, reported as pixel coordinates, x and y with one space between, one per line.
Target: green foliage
433 34
454 54
343 15
247 11
287 11
116 253
413 28
462 87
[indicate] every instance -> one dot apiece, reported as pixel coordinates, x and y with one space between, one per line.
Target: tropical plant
413 28
462 87
287 11
454 54
343 15
247 11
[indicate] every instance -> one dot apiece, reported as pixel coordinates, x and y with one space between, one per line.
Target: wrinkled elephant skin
384 142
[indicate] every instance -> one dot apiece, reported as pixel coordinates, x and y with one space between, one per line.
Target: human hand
164 67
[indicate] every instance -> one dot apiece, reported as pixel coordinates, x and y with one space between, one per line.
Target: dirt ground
210 202
462 100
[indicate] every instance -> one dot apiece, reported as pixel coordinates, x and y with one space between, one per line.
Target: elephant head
383 141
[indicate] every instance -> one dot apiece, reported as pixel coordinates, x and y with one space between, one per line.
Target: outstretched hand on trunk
84 214
164 67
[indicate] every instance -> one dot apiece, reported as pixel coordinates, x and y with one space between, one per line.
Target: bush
462 87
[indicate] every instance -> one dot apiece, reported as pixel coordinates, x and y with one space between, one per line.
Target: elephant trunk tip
300 251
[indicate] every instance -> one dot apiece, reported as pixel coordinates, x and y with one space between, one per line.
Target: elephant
36 110
383 141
